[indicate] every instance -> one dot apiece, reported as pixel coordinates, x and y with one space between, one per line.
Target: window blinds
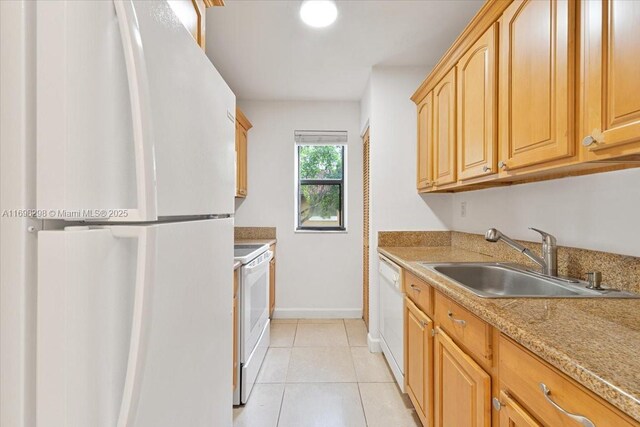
320 137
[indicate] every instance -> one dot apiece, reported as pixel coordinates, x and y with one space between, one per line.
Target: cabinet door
611 66
425 143
513 415
536 82
477 134
272 286
192 15
444 130
241 161
462 389
419 361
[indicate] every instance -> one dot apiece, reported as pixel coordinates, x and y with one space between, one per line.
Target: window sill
304 231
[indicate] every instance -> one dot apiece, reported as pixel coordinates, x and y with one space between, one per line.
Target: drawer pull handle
586 422
458 321
415 288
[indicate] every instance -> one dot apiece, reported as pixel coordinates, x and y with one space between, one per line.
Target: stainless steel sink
502 280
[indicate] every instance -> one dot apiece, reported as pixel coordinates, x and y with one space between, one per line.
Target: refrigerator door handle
145 277
146 191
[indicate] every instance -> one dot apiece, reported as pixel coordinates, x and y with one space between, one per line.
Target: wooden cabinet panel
536 82
444 130
514 415
420 293
192 15
462 389
477 112
242 128
522 373
419 361
235 327
425 143
272 282
470 331
611 66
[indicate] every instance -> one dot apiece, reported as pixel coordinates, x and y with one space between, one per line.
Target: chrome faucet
549 260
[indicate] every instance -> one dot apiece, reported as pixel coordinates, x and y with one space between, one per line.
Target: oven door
255 302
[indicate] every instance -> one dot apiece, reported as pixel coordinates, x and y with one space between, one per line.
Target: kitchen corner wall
318 274
599 212
395 203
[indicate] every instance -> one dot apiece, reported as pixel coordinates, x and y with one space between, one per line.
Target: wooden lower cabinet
235 327
462 389
514 415
523 375
450 383
419 361
272 282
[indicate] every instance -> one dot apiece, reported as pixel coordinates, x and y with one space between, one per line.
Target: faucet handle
548 238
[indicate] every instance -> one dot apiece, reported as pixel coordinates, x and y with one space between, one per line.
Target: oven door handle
264 261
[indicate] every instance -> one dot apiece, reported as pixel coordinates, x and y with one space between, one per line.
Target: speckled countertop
255 241
594 341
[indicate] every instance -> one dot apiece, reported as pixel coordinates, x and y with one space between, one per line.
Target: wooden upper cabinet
536 82
444 130
192 15
419 361
462 388
477 113
610 106
425 143
242 128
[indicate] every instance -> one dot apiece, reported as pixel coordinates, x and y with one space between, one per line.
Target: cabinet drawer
419 292
464 327
522 374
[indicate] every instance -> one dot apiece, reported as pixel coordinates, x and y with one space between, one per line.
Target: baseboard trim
374 344
317 313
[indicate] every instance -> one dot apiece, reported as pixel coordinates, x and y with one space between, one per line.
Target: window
320 190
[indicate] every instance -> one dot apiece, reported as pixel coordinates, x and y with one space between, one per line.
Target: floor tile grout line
284 390
286 375
295 332
364 413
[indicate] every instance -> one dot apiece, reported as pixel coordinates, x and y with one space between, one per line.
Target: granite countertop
594 341
255 241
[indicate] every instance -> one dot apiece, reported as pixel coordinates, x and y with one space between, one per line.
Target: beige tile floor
320 373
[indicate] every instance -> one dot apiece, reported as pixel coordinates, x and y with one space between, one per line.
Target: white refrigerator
135 190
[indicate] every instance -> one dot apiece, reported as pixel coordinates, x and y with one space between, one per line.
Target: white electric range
253 327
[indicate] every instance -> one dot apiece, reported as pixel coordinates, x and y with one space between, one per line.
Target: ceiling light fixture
318 13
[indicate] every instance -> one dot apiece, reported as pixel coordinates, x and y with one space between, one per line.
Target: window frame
341 183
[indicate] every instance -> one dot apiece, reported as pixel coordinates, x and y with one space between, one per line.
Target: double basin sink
505 280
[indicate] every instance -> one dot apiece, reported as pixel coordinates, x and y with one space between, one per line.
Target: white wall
365 107
318 274
395 203
599 212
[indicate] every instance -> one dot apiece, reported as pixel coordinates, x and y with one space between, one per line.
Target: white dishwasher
392 316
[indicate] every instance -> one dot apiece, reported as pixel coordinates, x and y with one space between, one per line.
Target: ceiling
265 52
